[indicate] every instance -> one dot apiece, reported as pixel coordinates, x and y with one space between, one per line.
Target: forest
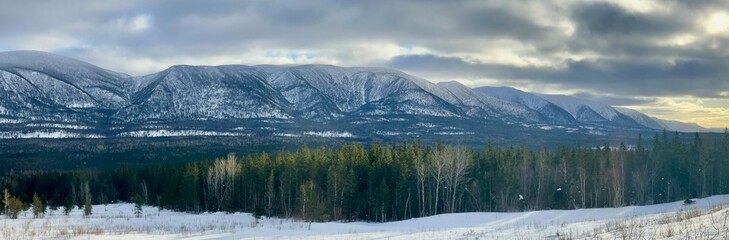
380 183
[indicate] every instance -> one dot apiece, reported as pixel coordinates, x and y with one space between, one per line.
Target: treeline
394 182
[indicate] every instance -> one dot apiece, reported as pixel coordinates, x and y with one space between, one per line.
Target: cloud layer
642 54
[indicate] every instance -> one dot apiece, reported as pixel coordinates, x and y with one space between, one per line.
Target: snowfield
708 218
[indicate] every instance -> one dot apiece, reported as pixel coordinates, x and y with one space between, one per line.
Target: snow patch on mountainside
46 134
329 134
56 125
175 133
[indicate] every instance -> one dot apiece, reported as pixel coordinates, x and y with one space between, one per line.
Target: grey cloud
613 100
214 27
610 19
624 57
631 78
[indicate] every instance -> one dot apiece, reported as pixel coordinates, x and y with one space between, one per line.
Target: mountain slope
551 112
38 86
48 72
323 91
484 106
201 93
672 125
643 119
587 111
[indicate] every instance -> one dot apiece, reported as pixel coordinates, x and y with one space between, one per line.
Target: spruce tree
68 205
38 207
138 201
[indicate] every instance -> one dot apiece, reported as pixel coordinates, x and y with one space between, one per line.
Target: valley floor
708 218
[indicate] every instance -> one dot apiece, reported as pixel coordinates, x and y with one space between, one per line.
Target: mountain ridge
48 93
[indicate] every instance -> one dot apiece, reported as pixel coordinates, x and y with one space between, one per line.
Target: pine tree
39 209
68 205
138 201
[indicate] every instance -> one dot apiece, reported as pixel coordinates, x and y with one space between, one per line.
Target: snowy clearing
708 218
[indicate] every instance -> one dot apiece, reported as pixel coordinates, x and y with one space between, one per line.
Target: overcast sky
669 59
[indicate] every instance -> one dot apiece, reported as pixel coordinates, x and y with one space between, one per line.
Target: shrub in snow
13 206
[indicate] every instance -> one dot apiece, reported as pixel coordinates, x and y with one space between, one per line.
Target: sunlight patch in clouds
717 23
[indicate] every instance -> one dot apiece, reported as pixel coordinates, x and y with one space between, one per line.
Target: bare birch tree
449 166
437 168
421 172
221 179
459 160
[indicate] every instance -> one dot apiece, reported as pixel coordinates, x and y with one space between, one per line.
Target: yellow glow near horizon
707 112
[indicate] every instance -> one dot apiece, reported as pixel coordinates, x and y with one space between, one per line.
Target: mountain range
51 96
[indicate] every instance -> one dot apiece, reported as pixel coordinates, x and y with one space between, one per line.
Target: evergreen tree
67 205
39 209
138 202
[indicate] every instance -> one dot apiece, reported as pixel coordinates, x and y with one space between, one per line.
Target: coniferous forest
393 182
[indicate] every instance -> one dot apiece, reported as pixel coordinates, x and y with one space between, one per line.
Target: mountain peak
38 58
50 62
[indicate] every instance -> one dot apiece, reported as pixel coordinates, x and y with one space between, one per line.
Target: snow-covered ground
706 219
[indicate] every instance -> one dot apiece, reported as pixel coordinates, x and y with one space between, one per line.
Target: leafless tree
449 166
437 168
6 200
460 161
270 192
617 176
421 172
221 178
87 197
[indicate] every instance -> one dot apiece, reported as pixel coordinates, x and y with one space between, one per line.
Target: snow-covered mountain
567 109
202 93
484 106
46 95
330 92
645 120
683 127
591 112
38 86
550 112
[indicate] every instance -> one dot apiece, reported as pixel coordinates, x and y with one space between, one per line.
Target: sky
668 59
